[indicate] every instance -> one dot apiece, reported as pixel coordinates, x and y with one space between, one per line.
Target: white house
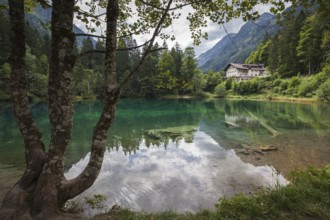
245 71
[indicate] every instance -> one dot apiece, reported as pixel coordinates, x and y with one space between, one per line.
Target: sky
180 29
215 32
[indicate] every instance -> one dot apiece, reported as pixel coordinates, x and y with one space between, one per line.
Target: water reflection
304 128
183 177
184 171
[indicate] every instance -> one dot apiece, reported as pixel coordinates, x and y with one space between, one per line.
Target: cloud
183 177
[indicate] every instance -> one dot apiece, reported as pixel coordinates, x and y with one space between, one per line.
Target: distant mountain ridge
237 47
204 57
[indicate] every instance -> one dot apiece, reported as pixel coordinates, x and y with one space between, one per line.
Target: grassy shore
274 98
306 197
261 97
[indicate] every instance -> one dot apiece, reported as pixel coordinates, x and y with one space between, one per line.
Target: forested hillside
301 47
298 56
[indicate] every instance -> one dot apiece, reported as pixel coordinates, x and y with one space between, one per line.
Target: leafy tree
307 86
273 54
87 60
177 55
166 81
147 75
198 83
260 55
325 46
212 80
324 91
254 56
220 90
189 67
308 49
264 53
288 61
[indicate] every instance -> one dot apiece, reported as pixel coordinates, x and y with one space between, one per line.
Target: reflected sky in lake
155 174
183 177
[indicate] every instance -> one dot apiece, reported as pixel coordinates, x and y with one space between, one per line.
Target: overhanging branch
118 49
163 9
103 37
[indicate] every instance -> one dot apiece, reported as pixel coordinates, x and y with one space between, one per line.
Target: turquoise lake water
186 171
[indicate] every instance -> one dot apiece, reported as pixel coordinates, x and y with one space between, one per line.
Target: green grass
274 97
306 197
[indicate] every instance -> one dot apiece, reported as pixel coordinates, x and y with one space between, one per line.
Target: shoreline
276 99
261 97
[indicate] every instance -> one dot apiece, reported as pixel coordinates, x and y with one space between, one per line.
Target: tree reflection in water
181 177
183 168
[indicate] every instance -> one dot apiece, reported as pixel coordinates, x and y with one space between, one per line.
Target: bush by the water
220 90
324 91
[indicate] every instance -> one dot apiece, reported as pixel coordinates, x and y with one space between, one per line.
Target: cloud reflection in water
183 177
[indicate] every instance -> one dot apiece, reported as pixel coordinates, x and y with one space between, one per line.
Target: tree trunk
60 86
74 187
43 189
15 204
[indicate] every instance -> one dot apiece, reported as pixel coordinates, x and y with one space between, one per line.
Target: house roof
259 67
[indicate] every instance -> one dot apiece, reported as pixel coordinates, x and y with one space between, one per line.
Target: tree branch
74 187
163 9
118 49
101 36
19 87
90 35
60 93
17 198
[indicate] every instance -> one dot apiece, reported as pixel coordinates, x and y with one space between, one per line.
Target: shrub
294 82
284 85
96 202
277 82
229 83
276 89
323 75
323 93
308 86
201 95
220 90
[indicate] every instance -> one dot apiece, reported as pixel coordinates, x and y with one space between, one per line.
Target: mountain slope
237 47
208 55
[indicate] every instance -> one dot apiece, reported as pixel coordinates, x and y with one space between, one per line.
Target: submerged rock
268 148
174 133
247 150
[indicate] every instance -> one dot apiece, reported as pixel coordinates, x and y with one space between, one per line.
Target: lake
183 155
